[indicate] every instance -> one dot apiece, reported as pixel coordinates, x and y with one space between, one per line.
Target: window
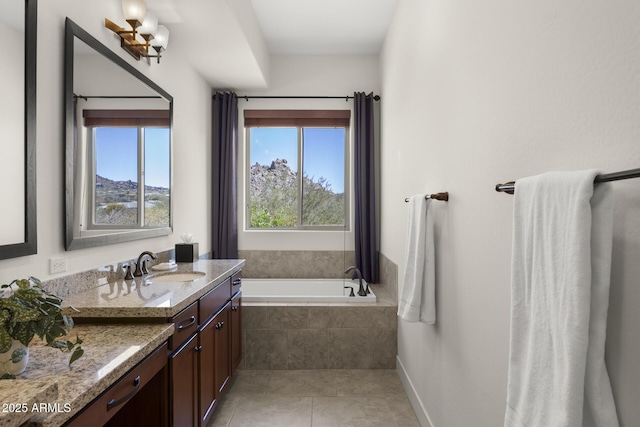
129 164
297 169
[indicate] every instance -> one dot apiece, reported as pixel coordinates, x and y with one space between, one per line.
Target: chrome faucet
361 290
141 268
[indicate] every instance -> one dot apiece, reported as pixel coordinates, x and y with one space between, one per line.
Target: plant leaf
68 321
5 340
24 332
77 353
18 354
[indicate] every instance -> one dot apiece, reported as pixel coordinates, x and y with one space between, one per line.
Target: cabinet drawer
186 324
236 282
211 302
121 392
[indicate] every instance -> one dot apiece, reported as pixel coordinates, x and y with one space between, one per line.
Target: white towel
559 299
417 303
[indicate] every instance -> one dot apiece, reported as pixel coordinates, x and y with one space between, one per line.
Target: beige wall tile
348 348
308 349
383 348
287 317
266 349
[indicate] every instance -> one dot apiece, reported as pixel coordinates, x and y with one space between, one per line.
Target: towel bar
437 196
510 187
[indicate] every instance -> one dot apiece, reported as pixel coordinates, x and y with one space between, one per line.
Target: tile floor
323 397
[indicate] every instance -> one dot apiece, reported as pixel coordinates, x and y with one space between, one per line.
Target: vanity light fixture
145 31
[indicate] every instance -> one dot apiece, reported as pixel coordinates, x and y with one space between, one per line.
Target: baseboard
416 403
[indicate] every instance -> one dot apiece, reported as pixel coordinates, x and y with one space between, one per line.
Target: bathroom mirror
118 147
18 122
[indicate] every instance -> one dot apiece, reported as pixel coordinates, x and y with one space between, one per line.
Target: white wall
192 130
477 93
304 76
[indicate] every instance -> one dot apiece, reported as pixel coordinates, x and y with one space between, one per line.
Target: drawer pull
192 320
198 348
113 403
219 325
234 308
237 282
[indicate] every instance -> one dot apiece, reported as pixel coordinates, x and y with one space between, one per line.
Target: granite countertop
17 398
143 298
110 351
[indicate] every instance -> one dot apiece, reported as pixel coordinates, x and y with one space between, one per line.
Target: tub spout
361 290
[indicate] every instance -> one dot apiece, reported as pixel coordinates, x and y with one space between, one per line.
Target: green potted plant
27 310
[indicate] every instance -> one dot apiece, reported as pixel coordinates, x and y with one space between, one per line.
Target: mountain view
274 198
117 203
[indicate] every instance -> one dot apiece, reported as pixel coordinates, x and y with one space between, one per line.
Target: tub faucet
361 290
141 269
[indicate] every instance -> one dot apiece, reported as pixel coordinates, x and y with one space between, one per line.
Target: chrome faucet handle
128 275
138 271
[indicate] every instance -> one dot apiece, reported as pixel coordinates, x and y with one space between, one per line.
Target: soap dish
164 266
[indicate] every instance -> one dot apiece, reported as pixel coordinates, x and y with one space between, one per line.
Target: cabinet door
206 365
213 340
184 384
222 362
236 331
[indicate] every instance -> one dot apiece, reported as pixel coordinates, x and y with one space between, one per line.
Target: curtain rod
346 98
510 187
85 97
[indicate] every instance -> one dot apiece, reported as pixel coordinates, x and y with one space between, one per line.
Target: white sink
176 276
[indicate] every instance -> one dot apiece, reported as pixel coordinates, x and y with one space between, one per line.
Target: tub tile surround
296 264
319 337
296 336
317 265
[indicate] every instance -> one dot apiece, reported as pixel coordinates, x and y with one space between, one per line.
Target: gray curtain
365 197
224 244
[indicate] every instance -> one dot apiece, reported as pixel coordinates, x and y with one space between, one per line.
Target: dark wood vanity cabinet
138 398
201 368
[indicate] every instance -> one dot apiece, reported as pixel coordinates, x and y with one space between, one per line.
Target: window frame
299 119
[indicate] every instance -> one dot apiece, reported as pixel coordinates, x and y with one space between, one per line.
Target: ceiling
230 42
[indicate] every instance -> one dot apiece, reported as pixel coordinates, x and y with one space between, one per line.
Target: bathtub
302 290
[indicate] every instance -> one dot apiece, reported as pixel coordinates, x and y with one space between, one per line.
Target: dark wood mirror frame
72 242
29 246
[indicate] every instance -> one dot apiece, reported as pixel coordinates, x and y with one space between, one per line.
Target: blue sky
117 155
323 151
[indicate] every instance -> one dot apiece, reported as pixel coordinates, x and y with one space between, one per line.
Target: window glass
273 177
323 184
116 176
284 194
157 177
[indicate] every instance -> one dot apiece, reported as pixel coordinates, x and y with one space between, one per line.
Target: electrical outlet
58 265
